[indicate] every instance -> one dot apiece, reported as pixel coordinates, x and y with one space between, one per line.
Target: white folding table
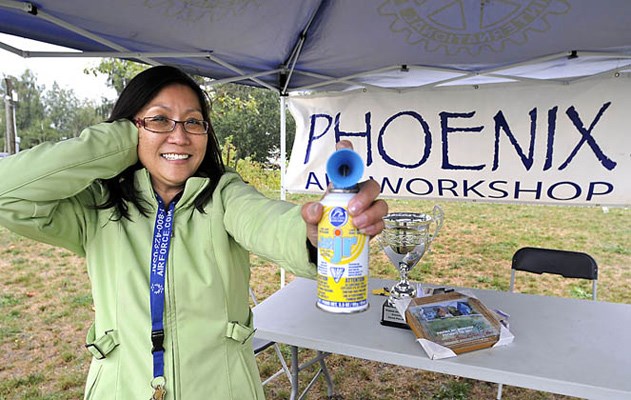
567 346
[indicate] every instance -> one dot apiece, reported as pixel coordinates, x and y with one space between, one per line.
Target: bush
265 178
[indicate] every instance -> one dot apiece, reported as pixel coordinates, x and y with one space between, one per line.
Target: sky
67 72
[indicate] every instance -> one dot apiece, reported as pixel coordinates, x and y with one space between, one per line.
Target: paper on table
435 351
506 337
401 305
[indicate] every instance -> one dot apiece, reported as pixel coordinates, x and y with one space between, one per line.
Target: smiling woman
166 231
174 154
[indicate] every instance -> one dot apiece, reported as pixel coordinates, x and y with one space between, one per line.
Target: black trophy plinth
391 317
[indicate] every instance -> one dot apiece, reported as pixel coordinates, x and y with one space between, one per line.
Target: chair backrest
569 264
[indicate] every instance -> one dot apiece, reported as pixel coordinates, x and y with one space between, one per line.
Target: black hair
136 95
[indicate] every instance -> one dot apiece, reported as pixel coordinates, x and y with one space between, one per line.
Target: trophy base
391 317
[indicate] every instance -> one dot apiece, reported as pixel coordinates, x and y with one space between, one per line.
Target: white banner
548 144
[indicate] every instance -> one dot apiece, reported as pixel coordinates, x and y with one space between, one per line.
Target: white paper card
401 305
435 351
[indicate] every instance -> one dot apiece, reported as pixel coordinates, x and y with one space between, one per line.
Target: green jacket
47 194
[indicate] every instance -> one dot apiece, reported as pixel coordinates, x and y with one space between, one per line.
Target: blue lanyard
159 256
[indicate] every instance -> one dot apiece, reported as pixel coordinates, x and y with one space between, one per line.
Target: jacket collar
194 185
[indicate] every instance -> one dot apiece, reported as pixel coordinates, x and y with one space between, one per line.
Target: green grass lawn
46 308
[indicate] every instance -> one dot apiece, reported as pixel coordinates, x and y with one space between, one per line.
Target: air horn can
342 249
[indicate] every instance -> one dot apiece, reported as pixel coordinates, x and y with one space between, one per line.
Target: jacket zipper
170 319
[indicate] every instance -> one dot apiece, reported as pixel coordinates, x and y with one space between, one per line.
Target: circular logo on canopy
470 26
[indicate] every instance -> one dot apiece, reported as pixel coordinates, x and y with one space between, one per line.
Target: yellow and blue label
342 263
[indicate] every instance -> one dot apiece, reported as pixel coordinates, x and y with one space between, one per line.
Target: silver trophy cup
405 239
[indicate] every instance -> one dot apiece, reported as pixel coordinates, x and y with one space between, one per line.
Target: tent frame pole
283 163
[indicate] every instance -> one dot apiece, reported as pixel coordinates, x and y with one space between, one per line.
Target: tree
61 106
49 115
29 110
119 72
251 116
87 114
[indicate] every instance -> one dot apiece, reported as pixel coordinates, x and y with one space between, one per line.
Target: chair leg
313 381
282 361
499 391
284 368
327 376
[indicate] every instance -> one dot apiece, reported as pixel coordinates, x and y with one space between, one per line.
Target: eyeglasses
166 125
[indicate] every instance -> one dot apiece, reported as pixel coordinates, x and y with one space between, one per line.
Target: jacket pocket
242 366
239 332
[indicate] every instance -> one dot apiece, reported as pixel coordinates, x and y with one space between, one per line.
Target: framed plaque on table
453 320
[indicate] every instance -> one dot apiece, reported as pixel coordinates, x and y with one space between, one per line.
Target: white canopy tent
342 46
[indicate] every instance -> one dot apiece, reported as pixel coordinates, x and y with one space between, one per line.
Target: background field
46 307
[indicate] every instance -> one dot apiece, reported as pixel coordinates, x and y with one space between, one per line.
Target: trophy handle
437 216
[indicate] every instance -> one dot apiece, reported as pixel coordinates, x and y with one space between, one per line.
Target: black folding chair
569 264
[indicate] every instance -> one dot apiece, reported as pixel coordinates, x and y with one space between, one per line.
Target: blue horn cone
344 168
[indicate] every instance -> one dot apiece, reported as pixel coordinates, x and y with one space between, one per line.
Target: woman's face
171 158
